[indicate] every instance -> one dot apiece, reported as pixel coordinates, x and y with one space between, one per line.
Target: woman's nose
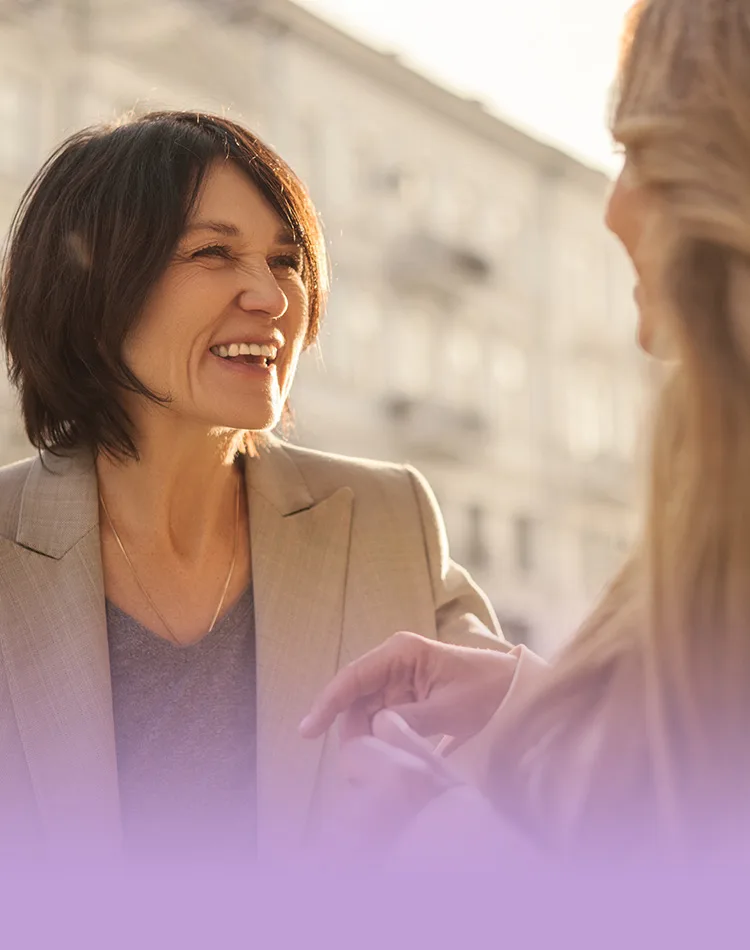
264 295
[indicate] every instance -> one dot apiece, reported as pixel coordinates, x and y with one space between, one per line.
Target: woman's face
223 328
628 215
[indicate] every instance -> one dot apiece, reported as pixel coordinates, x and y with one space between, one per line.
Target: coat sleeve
463 614
472 759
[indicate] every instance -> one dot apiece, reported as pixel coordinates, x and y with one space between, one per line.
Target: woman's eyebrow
220 227
285 237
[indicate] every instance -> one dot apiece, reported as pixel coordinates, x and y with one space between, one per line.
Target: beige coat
344 553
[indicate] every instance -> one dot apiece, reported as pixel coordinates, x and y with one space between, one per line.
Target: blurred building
481 321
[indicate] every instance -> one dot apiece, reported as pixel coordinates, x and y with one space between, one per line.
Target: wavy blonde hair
650 703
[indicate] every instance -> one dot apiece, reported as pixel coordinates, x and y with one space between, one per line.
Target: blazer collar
274 475
59 504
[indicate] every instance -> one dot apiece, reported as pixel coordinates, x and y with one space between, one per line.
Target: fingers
350 686
374 674
356 721
388 778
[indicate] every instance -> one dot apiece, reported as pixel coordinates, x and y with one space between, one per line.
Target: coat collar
59 504
274 474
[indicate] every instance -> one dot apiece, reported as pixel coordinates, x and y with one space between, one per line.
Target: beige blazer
344 553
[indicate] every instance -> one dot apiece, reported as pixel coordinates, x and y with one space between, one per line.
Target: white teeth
246 349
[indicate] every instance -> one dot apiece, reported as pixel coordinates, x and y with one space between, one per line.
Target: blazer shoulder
12 481
325 471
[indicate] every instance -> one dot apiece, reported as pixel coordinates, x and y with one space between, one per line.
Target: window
524 543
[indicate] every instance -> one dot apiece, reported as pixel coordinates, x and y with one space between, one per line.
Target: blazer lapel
300 552
54 649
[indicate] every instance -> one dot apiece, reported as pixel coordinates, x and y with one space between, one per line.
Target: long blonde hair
662 667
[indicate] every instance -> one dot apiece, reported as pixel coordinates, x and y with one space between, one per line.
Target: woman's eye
293 262
213 250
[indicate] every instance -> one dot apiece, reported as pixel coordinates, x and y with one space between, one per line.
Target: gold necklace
145 593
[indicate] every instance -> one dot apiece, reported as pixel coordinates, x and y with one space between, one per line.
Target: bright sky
544 65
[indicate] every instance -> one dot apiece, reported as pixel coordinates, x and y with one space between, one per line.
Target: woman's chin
259 425
246 421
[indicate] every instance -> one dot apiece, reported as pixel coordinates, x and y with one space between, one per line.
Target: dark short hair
94 231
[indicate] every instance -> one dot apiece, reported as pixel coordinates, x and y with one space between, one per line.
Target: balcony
434 431
422 264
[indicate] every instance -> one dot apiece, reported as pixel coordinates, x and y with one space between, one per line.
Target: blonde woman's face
629 211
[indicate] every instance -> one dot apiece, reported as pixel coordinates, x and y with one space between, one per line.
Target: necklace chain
145 593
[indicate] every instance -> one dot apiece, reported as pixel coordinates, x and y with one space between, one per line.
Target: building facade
481 322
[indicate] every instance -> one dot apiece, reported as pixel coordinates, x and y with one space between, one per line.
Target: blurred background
481 321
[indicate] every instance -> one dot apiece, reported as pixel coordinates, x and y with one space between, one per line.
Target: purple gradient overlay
310 903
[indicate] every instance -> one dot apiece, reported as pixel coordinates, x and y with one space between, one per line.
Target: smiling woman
233 249
176 583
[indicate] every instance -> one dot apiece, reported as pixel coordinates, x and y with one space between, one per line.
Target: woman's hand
401 804
386 780
437 688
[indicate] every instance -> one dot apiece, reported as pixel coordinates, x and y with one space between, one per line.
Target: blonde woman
636 735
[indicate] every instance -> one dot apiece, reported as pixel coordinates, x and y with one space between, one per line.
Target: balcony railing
434 430
424 264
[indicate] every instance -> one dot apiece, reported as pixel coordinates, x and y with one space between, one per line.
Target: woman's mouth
253 354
